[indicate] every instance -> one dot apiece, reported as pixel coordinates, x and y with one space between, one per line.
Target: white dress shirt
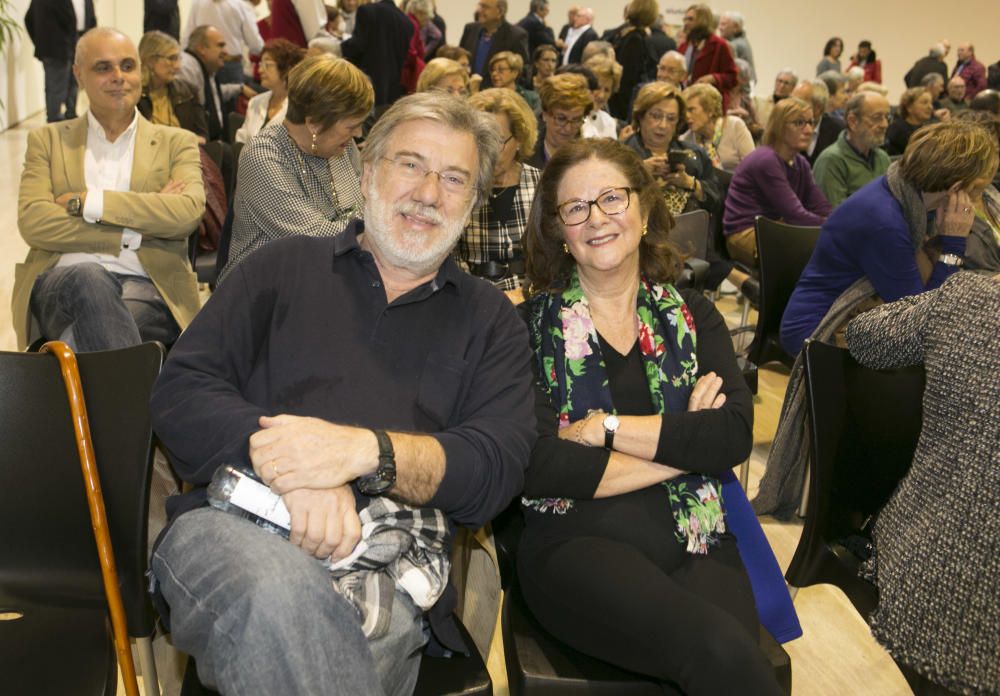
80 8
107 166
233 18
571 36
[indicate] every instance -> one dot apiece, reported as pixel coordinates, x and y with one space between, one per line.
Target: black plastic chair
234 122
864 427
690 235
783 252
49 572
540 664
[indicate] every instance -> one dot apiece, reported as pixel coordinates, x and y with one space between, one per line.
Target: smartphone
676 157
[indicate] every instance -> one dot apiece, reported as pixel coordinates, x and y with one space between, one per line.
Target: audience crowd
374 173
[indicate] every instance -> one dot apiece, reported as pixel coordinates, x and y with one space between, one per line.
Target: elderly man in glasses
382 393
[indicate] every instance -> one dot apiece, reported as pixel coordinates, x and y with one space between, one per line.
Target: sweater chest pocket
438 392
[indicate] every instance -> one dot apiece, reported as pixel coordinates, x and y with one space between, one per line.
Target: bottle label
259 500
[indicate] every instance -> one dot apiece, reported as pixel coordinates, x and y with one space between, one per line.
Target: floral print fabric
568 351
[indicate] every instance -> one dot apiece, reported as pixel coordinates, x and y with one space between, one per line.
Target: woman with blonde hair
775 181
601 124
445 75
566 101
492 245
303 176
726 139
505 68
165 100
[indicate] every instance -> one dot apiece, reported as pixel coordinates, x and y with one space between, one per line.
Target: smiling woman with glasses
626 553
492 246
775 181
165 100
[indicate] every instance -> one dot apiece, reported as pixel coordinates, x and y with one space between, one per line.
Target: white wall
782 33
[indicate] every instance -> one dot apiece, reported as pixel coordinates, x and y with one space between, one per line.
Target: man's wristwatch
611 425
384 478
951 260
75 205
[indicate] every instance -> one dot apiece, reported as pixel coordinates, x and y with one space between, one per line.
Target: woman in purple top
775 181
905 232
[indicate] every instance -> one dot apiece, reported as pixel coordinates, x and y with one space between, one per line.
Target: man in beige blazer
107 203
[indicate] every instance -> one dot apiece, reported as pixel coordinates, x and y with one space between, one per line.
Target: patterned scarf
568 351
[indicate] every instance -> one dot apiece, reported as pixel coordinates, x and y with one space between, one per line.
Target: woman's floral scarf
569 357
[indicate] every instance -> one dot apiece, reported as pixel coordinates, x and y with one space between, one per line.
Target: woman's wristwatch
951 260
611 424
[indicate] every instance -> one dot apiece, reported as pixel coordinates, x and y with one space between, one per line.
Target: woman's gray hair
448 111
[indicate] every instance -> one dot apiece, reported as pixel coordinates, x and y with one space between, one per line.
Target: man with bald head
970 70
857 156
579 35
200 65
671 69
107 203
955 99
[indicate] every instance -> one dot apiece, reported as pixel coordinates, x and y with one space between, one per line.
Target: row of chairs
51 580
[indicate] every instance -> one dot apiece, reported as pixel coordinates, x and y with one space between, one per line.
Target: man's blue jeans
260 616
93 309
60 89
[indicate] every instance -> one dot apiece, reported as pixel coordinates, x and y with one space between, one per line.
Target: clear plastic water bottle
238 491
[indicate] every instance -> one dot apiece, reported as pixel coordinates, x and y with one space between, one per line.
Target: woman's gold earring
645 229
312 147
565 248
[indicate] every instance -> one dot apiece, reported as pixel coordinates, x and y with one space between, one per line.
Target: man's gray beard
418 252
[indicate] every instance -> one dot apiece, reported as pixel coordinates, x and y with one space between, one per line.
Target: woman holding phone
683 171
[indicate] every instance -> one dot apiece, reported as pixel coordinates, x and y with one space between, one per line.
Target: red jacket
873 70
716 59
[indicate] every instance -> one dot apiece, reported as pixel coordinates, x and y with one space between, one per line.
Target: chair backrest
48 549
864 426
783 252
234 122
690 233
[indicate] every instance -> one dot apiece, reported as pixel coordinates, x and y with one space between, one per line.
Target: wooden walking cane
95 502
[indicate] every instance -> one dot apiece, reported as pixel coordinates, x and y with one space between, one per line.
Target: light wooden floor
835 656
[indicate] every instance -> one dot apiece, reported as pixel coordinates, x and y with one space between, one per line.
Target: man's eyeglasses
561 121
612 202
411 169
